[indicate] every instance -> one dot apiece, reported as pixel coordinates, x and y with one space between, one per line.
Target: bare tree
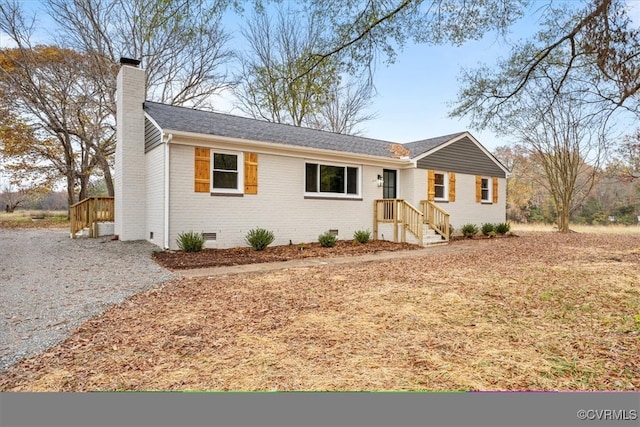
181 43
275 85
12 197
568 141
345 109
268 85
627 164
597 35
587 49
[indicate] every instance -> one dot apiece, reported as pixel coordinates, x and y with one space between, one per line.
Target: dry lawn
34 219
544 311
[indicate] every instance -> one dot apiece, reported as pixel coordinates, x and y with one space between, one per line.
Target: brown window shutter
452 187
431 185
202 169
478 189
494 191
250 173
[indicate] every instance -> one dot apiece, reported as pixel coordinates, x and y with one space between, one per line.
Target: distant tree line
613 198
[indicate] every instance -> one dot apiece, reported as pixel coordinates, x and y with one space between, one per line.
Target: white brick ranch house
179 169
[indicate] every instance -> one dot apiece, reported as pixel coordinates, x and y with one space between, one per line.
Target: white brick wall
279 206
130 159
154 164
465 209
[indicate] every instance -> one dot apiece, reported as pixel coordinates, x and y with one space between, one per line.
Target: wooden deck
89 212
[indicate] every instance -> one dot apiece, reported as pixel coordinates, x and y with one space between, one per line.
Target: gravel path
50 284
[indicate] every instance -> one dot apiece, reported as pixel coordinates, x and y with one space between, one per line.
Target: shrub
259 238
190 241
327 239
469 230
488 229
503 228
362 236
452 230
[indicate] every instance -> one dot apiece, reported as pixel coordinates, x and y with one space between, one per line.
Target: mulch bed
178 260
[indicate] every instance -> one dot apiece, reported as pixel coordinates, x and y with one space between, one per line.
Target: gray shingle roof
419 147
170 117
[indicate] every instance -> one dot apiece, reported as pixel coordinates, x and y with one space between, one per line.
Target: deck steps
430 237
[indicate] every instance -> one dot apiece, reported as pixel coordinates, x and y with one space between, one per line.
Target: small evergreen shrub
327 239
259 238
503 228
190 241
469 230
362 236
488 229
452 230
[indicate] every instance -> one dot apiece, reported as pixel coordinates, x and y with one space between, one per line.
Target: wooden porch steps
431 237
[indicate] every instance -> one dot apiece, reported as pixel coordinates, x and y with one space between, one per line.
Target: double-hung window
485 190
440 186
326 180
227 174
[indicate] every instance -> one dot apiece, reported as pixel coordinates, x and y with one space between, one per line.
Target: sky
414 94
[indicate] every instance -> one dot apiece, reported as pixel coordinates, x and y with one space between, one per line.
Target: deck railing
402 214
88 212
436 217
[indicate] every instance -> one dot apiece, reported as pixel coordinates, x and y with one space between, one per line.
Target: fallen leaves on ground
542 312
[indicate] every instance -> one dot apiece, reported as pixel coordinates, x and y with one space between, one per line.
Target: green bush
327 239
362 236
488 229
452 230
469 230
259 238
503 228
190 241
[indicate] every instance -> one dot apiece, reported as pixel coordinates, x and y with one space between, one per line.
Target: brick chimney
129 182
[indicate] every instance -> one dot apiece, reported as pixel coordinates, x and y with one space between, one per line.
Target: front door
389 191
390 184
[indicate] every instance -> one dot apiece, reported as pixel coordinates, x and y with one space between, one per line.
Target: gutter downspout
166 191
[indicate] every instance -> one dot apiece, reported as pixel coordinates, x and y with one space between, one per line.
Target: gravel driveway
50 284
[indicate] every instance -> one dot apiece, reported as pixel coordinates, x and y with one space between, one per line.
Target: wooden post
395 220
72 214
375 219
91 206
404 223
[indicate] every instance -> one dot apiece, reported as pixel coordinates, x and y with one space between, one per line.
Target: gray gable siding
462 156
152 136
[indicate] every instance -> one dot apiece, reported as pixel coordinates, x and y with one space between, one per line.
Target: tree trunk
108 179
70 192
563 218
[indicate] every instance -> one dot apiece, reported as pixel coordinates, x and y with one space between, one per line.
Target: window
440 186
332 180
485 190
227 172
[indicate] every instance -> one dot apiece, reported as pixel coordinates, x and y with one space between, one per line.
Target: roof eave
285 149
